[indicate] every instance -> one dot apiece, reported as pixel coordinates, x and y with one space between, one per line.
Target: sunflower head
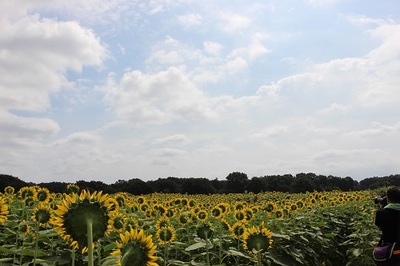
9 190
225 207
27 193
43 195
24 228
159 209
112 204
75 212
170 212
136 249
202 215
117 222
183 218
162 222
165 235
237 230
73 188
248 213
217 212
240 215
42 214
121 198
257 239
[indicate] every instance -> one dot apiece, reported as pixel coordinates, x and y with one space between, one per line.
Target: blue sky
108 90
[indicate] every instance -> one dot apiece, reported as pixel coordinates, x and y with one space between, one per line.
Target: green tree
237 182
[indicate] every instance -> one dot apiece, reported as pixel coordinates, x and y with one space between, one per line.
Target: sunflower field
92 228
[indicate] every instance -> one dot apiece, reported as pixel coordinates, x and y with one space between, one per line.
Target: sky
111 90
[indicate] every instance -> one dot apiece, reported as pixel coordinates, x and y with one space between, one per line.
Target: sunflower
141 200
144 207
240 215
117 222
184 202
27 193
202 215
162 222
135 248
42 214
257 239
217 212
270 207
278 213
42 195
237 230
293 207
165 235
113 204
160 210
170 212
3 210
184 218
73 188
239 206
121 198
300 204
177 201
249 213
76 213
225 207
24 228
191 203
9 190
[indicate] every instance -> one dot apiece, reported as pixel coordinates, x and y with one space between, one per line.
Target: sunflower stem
259 258
73 257
36 244
165 255
207 252
89 227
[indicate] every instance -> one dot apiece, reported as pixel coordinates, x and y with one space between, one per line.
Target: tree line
235 182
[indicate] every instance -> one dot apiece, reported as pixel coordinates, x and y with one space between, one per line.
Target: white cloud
189 20
376 129
36 53
157 98
177 139
232 23
364 20
322 3
212 47
365 81
203 66
169 152
254 49
35 56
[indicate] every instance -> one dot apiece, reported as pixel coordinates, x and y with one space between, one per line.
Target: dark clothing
387 220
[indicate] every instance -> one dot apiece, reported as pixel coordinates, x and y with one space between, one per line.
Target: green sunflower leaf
196 246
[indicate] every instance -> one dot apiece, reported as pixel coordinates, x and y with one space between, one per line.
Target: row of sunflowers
92 228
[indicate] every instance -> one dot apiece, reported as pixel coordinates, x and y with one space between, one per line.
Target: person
387 218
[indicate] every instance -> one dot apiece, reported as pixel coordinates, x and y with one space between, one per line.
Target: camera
381 201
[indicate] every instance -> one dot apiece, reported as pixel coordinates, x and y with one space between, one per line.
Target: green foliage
329 229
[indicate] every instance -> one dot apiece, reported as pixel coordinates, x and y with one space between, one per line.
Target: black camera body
381 200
